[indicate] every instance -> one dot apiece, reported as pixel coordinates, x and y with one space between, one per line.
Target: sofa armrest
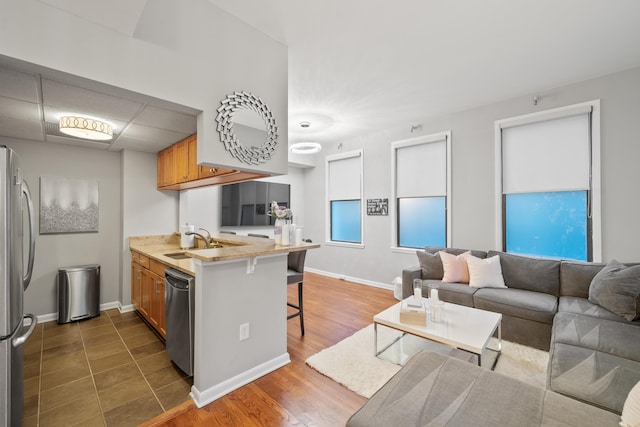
408 274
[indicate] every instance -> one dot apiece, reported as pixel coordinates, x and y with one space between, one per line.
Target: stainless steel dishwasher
179 305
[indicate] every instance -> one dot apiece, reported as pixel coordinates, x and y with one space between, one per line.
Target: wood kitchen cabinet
147 290
156 288
178 168
186 159
167 167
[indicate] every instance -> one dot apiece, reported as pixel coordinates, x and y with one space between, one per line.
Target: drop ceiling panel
164 119
10 107
88 102
137 144
77 142
21 128
17 85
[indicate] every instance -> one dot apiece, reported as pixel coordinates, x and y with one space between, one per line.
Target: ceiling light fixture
83 127
305 148
305 124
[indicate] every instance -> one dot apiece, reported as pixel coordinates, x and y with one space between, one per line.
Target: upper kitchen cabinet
186 159
178 169
167 167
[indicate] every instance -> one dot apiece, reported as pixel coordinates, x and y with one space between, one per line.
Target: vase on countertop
286 233
278 231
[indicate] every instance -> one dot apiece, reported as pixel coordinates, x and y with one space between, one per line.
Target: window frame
336 157
594 193
393 205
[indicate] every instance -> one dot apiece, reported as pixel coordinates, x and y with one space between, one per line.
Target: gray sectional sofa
433 389
594 353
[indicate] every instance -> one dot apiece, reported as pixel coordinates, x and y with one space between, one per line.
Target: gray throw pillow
617 288
431 265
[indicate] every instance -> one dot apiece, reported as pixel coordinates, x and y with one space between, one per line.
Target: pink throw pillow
455 267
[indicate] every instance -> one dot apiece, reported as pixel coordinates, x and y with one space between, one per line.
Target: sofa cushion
617 288
457 293
620 339
485 273
532 274
430 264
595 360
592 376
455 267
517 303
583 306
436 390
575 277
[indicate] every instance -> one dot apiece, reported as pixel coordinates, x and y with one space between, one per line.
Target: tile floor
111 370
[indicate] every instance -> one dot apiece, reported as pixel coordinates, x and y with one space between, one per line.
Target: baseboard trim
204 397
50 317
351 279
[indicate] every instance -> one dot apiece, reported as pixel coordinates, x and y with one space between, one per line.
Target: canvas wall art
68 205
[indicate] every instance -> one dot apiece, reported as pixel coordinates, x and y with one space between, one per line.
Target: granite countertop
233 247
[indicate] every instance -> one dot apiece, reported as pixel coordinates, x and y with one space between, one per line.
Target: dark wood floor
297 395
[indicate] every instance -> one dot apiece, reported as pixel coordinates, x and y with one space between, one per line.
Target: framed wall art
377 206
68 205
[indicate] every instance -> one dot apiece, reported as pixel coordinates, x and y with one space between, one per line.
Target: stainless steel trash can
78 293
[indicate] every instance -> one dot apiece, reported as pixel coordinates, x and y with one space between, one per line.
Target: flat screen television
247 203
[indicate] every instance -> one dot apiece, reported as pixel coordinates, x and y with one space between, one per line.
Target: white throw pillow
485 273
631 409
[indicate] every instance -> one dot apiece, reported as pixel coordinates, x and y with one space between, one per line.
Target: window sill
344 244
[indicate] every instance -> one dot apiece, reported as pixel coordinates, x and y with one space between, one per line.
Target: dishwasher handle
178 280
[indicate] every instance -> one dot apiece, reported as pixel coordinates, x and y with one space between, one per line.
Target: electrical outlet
244 331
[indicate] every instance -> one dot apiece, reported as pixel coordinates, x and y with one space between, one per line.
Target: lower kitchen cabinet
147 290
156 314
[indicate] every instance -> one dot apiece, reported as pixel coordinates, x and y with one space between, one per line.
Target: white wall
64 250
145 210
473 178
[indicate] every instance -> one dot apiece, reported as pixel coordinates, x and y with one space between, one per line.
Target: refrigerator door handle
32 237
18 341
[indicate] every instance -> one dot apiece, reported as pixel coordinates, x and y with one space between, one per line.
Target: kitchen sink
178 255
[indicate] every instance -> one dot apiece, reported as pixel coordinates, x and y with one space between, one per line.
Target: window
549 183
344 198
422 181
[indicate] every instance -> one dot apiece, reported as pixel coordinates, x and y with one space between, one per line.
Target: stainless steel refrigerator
15 275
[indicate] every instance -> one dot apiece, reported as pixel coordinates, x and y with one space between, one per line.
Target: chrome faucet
207 238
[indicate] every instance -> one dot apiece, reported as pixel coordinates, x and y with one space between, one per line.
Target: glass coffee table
462 328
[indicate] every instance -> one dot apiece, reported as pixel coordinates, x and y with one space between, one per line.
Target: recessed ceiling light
305 124
305 148
86 128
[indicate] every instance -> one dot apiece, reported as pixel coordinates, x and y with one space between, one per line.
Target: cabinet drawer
143 260
157 267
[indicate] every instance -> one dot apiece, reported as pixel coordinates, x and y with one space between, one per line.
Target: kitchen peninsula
240 284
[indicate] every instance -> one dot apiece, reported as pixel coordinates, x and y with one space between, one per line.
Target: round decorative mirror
247 128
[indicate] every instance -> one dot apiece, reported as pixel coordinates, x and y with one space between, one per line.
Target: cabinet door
186 159
192 150
145 292
135 284
154 312
167 167
159 303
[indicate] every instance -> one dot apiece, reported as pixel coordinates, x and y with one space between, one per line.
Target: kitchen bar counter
233 247
240 307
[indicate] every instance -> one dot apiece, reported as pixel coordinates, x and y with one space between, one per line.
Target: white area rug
351 361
